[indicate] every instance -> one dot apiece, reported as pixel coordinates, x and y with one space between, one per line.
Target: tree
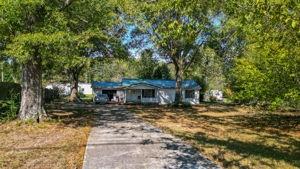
9 70
162 71
146 65
268 71
209 70
36 31
176 29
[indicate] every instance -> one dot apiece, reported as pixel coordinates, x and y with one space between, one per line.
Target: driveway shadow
119 136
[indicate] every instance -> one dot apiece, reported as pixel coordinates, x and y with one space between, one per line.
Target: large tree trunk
74 78
32 92
74 97
178 89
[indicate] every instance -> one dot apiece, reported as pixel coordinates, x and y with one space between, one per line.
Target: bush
51 95
9 90
10 97
213 98
9 108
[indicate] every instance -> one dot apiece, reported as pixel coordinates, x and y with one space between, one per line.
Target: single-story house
147 91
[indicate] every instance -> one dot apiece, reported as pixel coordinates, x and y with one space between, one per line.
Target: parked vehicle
101 99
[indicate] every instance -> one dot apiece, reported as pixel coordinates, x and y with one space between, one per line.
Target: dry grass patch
58 143
233 136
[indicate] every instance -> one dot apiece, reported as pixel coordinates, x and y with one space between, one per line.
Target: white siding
85 88
133 95
166 96
162 96
121 95
151 100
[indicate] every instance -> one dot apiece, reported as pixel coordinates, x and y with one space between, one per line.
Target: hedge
9 91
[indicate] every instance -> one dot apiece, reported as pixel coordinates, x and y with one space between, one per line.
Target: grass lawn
57 143
232 136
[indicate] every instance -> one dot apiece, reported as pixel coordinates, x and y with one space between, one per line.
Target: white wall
64 89
162 96
85 88
132 95
151 100
166 96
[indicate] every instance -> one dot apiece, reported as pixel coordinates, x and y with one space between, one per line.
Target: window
189 94
133 92
148 93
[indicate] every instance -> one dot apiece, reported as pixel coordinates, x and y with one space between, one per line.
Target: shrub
9 90
9 108
51 95
212 98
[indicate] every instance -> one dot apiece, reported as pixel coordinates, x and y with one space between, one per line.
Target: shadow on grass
266 121
246 149
78 115
254 121
74 115
267 126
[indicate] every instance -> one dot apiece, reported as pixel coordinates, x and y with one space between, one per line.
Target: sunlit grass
57 143
233 136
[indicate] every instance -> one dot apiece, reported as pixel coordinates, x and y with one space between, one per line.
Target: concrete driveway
120 141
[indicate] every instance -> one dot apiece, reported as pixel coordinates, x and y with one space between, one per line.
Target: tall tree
35 31
268 71
162 71
177 29
146 65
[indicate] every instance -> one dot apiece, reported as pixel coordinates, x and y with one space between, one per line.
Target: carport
110 93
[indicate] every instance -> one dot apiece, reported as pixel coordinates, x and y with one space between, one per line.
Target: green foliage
9 107
162 71
9 100
146 65
150 68
56 30
177 30
51 95
269 71
208 71
9 90
10 70
111 70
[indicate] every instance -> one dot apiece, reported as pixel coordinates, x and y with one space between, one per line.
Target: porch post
125 95
141 95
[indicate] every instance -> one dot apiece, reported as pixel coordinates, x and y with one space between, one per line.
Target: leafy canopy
54 28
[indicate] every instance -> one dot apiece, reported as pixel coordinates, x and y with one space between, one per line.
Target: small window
189 94
148 93
133 92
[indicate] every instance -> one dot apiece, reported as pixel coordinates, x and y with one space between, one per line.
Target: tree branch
67 3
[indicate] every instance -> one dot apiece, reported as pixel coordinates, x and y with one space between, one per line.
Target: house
147 91
85 88
65 88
